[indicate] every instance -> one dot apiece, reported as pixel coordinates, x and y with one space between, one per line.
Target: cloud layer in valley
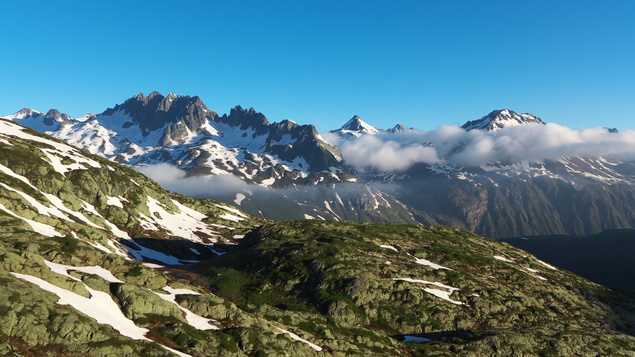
172 178
455 146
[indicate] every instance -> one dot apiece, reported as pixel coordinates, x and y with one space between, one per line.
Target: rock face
98 260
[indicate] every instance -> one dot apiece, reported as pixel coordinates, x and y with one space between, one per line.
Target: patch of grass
67 244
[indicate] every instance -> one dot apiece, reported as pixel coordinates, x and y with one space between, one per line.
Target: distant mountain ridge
356 127
566 195
499 119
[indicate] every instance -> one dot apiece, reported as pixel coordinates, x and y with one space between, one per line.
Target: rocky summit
98 260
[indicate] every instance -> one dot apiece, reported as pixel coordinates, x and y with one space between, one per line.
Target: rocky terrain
98 260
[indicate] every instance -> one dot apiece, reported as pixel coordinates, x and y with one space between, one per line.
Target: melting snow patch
114 201
443 294
232 210
298 338
498 257
428 263
99 306
96 270
183 224
268 182
230 217
531 270
38 227
547 265
57 154
388 247
193 319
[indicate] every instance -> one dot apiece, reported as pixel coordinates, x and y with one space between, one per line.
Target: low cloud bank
174 179
455 146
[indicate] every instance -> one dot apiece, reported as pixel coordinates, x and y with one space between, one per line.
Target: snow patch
100 306
388 247
443 294
498 257
298 338
193 319
547 265
43 229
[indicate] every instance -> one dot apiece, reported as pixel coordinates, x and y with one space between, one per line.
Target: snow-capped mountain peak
499 119
23 113
40 121
356 127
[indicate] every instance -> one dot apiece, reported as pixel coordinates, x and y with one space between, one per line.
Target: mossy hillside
330 283
92 186
33 321
335 277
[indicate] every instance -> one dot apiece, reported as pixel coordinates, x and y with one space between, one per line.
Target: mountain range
309 176
96 259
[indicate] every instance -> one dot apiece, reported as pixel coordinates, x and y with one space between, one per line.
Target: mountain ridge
489 199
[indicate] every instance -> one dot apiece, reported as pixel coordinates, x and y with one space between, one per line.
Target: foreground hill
97 260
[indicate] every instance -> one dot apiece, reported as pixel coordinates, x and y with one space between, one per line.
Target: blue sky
420 63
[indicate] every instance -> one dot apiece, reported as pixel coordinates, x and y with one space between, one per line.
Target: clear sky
417 62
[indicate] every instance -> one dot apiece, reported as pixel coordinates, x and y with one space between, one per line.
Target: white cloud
455 146
174 179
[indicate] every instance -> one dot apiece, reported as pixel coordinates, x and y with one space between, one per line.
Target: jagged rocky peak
34 119
246 118
55 114
287 125
503 118
155 111
356 123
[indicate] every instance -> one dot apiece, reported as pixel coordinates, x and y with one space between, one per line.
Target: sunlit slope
98 260
371 285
